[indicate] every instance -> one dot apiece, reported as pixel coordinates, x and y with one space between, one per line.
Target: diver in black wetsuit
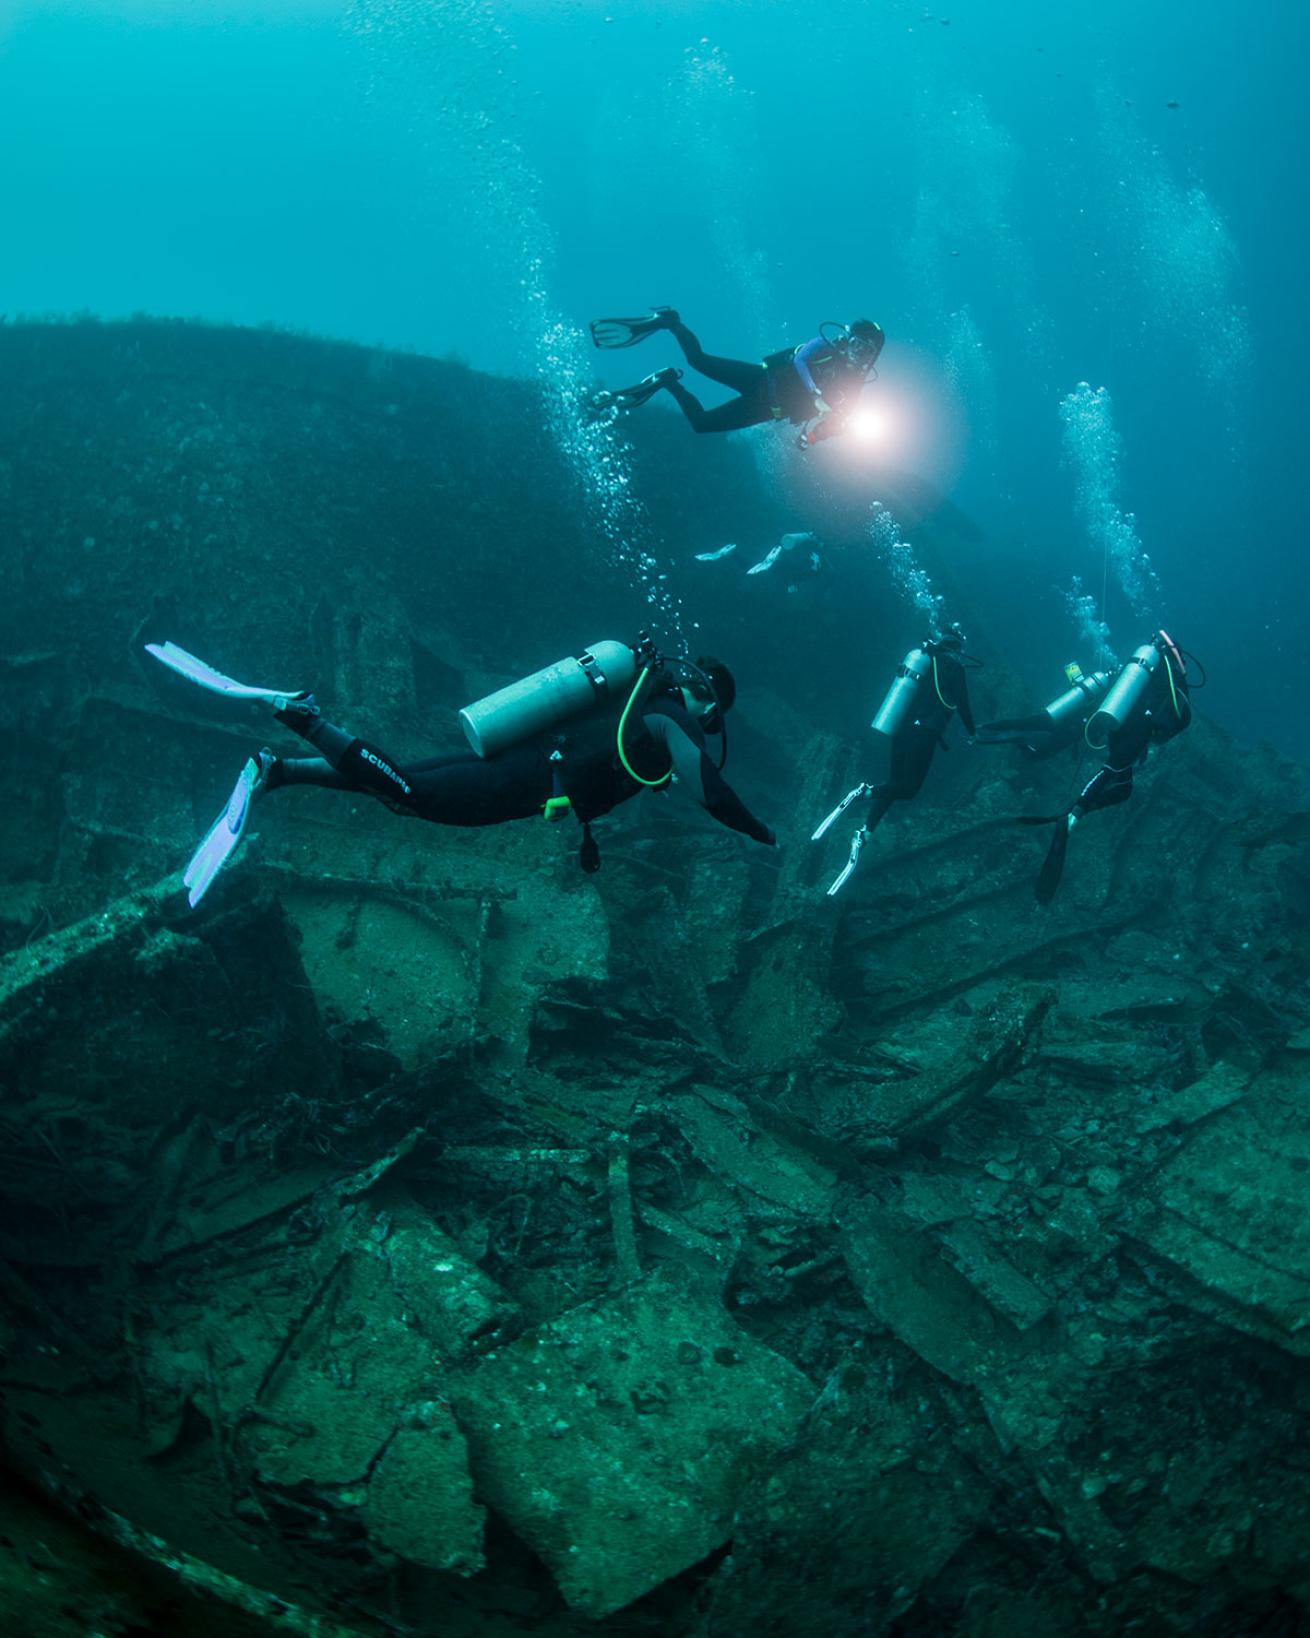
915 742
1148 704
1056 728
819 381
586 767
930 688
581 764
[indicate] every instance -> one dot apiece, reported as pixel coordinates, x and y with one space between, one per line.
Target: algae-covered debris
429 1237
620 1439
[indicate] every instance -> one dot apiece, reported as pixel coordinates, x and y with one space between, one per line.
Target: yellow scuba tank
535 704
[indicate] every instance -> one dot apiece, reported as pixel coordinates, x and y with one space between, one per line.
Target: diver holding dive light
578 737
929 688
815 385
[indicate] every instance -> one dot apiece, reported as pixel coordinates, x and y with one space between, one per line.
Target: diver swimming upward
579 737
814 386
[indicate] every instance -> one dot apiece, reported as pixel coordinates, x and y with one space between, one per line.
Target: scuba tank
1128 688
549 697
1079 699
903 694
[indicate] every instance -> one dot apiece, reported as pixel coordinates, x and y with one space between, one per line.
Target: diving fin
204 676
226 831
612 333
629 398
767 562
1048 881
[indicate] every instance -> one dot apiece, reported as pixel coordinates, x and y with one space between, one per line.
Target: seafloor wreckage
427 1238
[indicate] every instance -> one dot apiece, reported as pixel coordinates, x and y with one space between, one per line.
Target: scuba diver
1148 703
581 736
798 553
807 560
815 386
1058 725
929 688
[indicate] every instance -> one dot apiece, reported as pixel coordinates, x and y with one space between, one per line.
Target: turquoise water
1027 197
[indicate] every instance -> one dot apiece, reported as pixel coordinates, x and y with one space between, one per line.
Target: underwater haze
1026 196
789 1121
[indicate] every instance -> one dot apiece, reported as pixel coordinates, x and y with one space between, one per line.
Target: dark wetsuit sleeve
695 770
965 709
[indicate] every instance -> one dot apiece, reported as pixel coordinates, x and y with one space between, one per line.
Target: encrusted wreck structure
426 1237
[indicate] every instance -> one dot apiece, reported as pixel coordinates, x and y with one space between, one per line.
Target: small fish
1173 105
713 557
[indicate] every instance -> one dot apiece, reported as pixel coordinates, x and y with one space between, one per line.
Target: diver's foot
269 775
630 398
664 318
296 705
648 386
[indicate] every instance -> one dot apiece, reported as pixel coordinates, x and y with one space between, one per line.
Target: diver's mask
704 704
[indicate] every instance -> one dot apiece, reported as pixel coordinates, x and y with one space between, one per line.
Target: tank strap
558 803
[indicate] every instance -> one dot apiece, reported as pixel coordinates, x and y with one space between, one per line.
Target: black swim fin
627 398
611 333
1048 880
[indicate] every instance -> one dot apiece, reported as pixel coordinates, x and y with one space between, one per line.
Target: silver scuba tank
1079 699
904 693
1127 690
549 697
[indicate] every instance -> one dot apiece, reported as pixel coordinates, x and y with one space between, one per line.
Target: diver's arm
829 424
695 770
965 709
801 359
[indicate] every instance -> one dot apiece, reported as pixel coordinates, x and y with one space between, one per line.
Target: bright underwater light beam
909 418
869 425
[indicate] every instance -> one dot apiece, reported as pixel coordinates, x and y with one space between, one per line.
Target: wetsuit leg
468 790
740 412
358 765
305 770
1105 790
1036 724
736 373
449 790
1036 735
912 754
882 798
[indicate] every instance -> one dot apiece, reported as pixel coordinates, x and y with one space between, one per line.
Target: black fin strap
589 850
